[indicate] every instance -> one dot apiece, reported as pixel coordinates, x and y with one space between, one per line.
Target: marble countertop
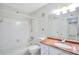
51 42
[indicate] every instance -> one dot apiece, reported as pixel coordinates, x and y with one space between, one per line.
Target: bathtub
26 51
23 51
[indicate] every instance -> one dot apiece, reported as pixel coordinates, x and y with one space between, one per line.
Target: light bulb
18 22
64 10
72 9
57 11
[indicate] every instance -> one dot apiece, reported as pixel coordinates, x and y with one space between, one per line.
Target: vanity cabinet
44 49
57 51
48 50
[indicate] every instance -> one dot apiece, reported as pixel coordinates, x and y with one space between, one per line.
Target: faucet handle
63 40
61 34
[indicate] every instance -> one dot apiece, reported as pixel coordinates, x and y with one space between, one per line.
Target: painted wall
53 25
60 25
14 31
40 24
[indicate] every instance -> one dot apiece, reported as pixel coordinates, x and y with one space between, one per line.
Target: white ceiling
28 8
25 7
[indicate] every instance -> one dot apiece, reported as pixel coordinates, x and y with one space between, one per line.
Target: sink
63 45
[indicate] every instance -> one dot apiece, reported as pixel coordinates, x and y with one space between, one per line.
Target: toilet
34 50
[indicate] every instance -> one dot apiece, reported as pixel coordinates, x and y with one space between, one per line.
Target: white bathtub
23 51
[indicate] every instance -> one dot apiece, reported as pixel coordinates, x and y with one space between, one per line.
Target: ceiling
32 7
25 7
53 6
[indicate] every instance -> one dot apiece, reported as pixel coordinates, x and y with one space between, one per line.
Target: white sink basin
63 45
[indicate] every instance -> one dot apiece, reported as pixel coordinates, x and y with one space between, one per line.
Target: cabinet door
51 50
56 51
62 52
44 49
48 50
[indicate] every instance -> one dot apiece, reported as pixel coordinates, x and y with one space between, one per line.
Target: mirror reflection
72 27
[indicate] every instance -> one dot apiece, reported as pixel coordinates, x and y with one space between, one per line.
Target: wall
40 24
13 35
60 24
45 20
53 25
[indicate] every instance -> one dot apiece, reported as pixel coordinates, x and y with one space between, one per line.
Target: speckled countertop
52 40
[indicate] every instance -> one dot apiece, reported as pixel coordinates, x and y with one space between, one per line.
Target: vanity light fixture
64 9
18 23
72 10
72 7
57 12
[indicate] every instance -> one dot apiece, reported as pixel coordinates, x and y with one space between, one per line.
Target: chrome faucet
62 39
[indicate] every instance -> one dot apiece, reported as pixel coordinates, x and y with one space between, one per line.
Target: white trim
5 13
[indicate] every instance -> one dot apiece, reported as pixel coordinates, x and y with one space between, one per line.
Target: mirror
64 26
78 31
73 28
